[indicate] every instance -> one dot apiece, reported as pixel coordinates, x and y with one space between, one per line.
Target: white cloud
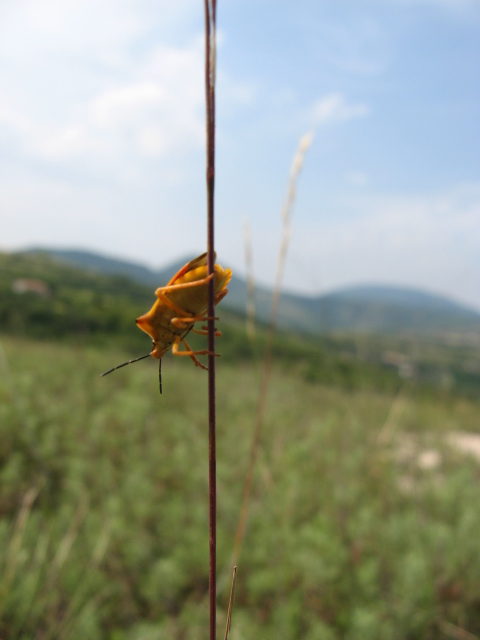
87 28
162 96
86 83
334 108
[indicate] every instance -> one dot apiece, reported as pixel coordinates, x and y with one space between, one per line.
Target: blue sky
102 135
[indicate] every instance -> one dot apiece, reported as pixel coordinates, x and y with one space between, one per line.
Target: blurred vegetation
103 503
77 302
104 484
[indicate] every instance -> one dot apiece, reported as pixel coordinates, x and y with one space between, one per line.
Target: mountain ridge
367 307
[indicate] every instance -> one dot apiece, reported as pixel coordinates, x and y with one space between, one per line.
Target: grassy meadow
364 519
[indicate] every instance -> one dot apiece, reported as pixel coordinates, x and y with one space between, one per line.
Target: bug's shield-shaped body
181 303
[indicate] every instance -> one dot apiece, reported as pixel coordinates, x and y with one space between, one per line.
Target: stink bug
179 305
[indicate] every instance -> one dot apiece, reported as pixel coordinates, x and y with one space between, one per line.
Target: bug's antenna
160 375
125 364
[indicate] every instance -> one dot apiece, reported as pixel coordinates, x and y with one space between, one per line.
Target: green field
364 520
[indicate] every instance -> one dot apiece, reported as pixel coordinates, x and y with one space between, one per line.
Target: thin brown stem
230 604
210 10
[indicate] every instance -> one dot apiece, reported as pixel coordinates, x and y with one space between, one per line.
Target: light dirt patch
429 459
411 452
468 443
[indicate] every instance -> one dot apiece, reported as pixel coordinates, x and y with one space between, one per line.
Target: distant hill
102 264
373 309
392 309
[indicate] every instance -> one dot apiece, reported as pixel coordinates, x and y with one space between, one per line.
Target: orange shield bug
179 305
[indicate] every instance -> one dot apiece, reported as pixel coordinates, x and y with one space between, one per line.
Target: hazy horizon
355 286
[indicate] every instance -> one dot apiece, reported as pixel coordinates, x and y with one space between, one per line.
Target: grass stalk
303 146
230 604
210 60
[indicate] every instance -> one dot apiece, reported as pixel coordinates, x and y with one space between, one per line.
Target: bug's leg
181 312
160 375
184 322
184 285
176 352
203 352
166 301
204 332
